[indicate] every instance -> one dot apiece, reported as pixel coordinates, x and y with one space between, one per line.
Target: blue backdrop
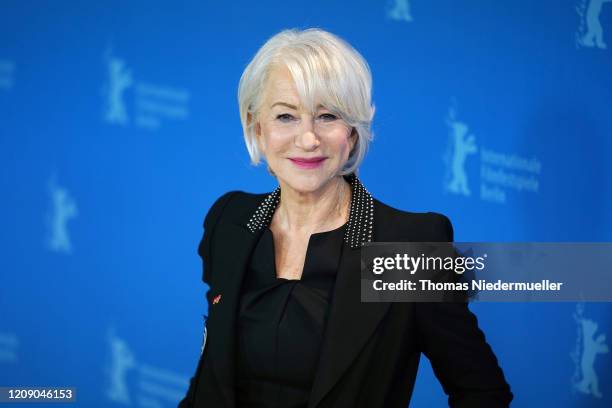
119 127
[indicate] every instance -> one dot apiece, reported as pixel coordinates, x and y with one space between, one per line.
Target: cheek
343 142
272 141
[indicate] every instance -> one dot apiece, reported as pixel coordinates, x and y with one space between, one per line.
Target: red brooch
216 299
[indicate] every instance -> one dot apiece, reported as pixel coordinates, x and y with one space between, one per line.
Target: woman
286 327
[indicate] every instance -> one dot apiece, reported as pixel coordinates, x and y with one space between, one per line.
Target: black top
370 354
281 323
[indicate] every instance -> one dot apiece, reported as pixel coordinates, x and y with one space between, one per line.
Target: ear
251 119
257 126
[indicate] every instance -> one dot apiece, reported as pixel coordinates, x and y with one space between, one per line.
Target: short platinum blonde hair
326 70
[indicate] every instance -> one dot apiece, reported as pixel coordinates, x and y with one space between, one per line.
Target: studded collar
361 213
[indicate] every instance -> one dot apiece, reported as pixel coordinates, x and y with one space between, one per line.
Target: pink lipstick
308 163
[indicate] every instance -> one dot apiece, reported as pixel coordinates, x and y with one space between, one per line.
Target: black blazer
370 351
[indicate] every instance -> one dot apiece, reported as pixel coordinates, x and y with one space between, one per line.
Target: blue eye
285 117
328 117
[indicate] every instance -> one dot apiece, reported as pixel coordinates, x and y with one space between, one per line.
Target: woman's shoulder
233 204
409 225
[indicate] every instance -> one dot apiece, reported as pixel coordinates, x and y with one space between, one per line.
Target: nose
307 138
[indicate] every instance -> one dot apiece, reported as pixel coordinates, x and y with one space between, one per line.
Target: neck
322 210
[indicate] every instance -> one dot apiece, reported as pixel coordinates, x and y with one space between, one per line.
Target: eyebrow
284 104
288 105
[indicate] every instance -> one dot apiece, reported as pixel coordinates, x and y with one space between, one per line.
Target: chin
307 181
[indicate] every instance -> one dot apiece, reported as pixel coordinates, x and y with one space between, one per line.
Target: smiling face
304 150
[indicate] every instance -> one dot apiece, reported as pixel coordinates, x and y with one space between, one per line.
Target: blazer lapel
350 324
229 270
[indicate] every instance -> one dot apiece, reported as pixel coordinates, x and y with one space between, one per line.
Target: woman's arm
461 359
210 222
